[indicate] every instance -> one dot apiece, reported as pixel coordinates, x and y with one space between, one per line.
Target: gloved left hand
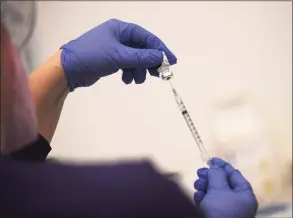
223 192
109 47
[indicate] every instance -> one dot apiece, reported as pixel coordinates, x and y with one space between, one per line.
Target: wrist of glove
109 47
223 192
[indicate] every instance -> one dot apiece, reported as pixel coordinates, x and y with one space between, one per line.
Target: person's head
18 122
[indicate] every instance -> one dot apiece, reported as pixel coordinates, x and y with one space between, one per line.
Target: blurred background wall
234 73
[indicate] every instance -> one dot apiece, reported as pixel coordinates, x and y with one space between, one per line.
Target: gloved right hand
223 192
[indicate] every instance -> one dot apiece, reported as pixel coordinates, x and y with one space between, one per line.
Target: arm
49 89
99 52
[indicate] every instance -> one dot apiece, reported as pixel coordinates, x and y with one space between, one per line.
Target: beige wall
224 49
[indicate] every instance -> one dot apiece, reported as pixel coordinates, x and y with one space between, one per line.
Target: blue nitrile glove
222 192
111 46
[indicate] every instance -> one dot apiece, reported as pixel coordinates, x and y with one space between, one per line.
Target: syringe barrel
192 128
203 152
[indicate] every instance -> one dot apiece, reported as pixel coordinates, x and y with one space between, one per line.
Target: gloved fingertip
200 184
202 172
140 81
172 60
215 161
139 75
127 82
153 71
127 76
195 184
198 197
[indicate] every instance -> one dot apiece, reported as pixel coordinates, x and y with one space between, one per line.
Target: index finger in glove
133 34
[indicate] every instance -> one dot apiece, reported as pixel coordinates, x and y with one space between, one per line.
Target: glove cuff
77 73
66 60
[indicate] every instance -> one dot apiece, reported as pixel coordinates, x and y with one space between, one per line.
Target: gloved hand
222 192
109 47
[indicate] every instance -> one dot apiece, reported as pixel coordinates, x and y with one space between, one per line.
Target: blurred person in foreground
30 109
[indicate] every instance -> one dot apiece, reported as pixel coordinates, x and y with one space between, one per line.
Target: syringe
166 74
203 152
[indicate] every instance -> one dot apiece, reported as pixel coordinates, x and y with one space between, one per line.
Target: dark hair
19 19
